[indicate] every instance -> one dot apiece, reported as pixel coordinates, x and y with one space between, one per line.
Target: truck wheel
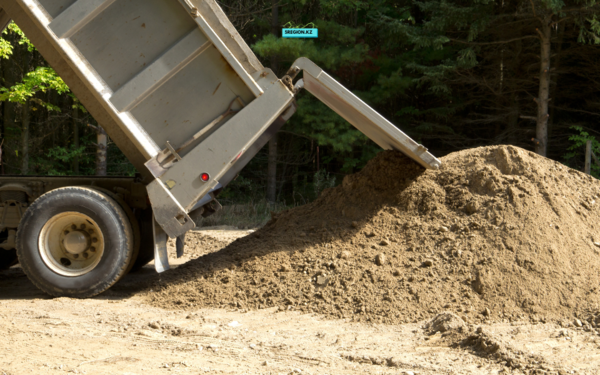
74 242
146 253
135 227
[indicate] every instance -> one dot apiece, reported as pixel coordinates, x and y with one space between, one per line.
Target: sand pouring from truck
183 96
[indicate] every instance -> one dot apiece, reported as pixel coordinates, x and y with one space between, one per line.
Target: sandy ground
116 333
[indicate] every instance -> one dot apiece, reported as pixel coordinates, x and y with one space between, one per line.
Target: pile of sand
496 233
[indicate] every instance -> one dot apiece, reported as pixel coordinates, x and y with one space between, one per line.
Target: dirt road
116 333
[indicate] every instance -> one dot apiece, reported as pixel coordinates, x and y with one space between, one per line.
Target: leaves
41 79
578 145
335 47
23 40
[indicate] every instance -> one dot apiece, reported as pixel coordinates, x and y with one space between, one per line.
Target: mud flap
359 114
179 245
161 257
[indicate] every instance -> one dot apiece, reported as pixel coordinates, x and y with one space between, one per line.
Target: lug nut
93 249
73 226
82 226
94 240
66 232
86 255
75 256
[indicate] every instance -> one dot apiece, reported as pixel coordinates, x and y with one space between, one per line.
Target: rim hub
76 242
71 244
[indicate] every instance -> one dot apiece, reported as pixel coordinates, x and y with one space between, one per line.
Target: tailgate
359 114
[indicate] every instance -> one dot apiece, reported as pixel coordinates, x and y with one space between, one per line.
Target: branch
529 118
595 159
257 11
577 110
580 9
498 42
533 8
559 21
540 33
98 129
296 134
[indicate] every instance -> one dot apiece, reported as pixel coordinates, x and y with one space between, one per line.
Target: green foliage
291 25
23 40
6 49
117 164
322 180
577 149
337 45
589 31
242 187
65 156
325 126
41 79
52 149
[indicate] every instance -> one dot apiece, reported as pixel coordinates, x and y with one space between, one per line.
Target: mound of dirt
497 233
197 244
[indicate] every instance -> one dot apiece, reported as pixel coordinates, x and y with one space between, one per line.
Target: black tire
146 253
107 221
135 227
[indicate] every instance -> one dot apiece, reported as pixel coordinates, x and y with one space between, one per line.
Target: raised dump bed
181 94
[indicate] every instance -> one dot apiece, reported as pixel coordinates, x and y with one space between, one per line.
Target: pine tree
492 48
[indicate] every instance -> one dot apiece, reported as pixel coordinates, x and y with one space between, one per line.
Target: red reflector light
204 177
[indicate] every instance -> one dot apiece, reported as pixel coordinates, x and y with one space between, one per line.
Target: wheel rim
71 244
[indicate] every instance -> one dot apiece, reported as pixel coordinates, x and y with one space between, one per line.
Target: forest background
452 74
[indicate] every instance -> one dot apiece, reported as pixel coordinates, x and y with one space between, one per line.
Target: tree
42 130
487 34
40 80
272 161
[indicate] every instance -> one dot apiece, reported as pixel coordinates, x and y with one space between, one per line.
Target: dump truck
183 96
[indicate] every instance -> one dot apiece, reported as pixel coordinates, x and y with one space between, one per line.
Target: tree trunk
101 152
25 138
8 73
272 161
75 138
275 31
515 66
541 131
272 171
555 67
7 119
25 117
